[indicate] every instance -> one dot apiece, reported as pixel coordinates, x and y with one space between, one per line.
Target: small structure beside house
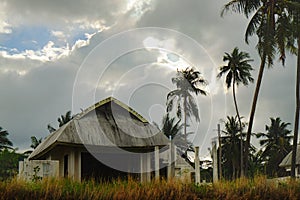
287 162
107 140
36 169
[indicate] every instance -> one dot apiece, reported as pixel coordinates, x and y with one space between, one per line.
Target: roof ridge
111 99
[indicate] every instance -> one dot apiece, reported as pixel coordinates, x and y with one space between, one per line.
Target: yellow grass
257 188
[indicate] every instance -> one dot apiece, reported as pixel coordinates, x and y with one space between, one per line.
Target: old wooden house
287 162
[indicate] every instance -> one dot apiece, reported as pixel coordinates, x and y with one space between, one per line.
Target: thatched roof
286 162
107 123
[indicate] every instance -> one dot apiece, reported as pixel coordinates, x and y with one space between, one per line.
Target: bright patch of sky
47 42
5 28
26 37
80 35
167 58
139 7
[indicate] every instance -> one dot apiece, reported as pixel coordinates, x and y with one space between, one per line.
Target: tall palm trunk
253 108
296 123
240 124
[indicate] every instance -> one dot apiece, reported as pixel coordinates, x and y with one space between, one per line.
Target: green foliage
188 82
276 145
170 127
9 160
35 142
4 141
62 120
268 22
231 148
256 188
68 189
35 176
238 70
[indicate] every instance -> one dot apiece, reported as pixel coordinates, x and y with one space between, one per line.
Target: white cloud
5 28
33 78
66 21
60 35
5 54
50 52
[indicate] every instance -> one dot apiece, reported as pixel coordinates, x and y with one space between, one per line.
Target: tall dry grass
68 189
257 188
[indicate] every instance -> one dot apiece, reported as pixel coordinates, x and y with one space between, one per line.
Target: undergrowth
257 188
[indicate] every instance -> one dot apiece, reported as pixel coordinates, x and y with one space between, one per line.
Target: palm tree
292 19
276 144
262 23
238 71
35 142
173 130
4 141
187 81
231 152
170 127
50 128
62 120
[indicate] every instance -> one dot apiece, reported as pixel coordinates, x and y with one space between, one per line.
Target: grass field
257 188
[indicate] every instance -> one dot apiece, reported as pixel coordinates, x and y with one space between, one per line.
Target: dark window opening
66 160
91 168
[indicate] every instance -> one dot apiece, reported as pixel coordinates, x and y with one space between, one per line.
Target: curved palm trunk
296 123
240 124
253 108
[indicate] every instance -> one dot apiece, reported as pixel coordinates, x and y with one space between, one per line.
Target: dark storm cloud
31 101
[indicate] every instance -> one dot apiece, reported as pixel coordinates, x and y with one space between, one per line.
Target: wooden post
78 171
171 167
145 167
197 166
142 167
220 152
72 164
156 162
215 161
148 167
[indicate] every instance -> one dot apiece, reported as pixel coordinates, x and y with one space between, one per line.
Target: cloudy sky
57 56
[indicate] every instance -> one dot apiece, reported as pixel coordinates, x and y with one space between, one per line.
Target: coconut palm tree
4 141
50 128
188 82
263 23
231 147
291 21
62 120
173 130
35 142
237 71
170 127
276 144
